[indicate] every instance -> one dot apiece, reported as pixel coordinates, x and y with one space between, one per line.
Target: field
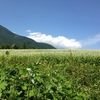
49 74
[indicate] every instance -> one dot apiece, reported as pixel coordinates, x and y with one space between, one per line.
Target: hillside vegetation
8 39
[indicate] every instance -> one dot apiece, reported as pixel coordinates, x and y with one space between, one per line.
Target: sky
65 24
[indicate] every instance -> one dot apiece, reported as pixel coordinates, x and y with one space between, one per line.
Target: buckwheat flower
19 78
28 69
48 74
30 73
37 62
33 75
32 81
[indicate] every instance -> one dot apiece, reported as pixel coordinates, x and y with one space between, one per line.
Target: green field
35 74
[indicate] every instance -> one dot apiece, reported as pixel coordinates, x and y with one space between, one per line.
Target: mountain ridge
8 37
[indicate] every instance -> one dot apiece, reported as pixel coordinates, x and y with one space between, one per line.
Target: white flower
33 75
55 72
28 69
32 81
30 74
37 62
48 74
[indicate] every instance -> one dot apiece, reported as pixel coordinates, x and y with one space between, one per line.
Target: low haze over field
62 23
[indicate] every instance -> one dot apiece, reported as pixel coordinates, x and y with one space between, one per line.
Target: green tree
24 45
14 46
2 46
7 46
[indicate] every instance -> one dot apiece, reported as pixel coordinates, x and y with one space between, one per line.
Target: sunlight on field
30 52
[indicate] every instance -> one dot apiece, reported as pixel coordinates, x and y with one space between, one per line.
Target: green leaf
24 87
3 85
31 93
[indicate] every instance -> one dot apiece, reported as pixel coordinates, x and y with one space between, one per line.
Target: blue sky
62 23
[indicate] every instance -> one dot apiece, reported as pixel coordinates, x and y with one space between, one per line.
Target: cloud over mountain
59 42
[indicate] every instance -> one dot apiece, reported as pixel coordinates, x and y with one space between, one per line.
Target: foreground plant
50 78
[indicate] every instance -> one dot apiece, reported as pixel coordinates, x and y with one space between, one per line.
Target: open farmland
37 74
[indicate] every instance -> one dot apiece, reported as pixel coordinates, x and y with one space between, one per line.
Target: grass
36 74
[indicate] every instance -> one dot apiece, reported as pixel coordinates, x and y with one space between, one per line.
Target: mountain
8 37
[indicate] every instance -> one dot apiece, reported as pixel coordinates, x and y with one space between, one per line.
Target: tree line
15 46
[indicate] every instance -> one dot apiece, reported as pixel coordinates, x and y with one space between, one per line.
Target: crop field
35 74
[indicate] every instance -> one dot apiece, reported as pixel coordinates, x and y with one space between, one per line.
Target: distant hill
8 37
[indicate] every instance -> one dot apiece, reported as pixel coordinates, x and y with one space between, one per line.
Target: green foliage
49 77
7 52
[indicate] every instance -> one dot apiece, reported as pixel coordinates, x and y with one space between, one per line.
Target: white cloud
59 42
28 31
91 40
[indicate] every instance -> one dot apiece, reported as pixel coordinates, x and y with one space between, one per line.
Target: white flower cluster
31 74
